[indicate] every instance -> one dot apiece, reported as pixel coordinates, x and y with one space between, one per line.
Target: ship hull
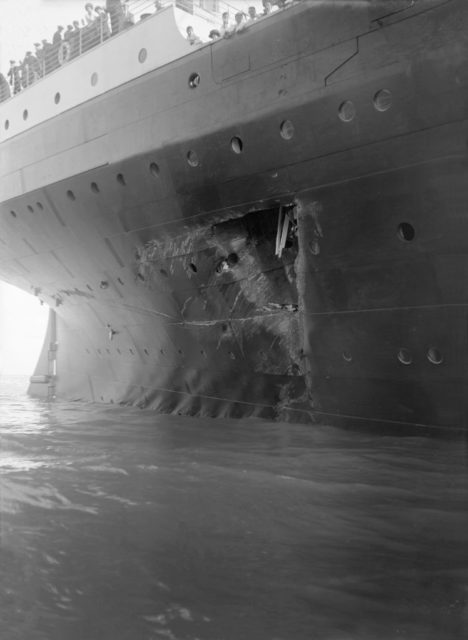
286 239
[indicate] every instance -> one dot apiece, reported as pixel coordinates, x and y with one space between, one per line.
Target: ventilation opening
237 145
406 232
154 169
435 356
287 130
405 356
194 80
192 159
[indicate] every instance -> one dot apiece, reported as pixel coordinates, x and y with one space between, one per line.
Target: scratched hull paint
286 239
120 524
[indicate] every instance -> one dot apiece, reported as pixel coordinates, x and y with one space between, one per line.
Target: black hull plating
164 276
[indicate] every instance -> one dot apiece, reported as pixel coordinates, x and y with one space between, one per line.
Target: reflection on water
121 524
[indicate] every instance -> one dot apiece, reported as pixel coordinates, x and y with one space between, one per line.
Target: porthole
192 159
25 114
121 179
383 100
40 206
405 356
94 187
13 213
180 352
193 267
154 169
236 144
94 79
347 111
142 55
30 209
146 351
347 356
57 98
71 195
103 284
287 129
406 232
194 80
7 124
435 356
163 272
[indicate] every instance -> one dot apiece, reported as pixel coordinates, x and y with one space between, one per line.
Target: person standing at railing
56 43
103 23
89 14
115 11
28 67
14 77
39 56
225 28
252 11
5 92
75 40
48 49
67 36
192 36
128 17
240 23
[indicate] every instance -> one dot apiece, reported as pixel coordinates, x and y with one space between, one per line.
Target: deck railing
99 25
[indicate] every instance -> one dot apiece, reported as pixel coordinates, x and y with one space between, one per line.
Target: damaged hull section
286 239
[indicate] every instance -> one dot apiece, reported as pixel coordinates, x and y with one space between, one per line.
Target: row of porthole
57 99
405 356
119 351
382 101
161 351
194 81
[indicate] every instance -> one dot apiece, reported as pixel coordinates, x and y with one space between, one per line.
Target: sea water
119 524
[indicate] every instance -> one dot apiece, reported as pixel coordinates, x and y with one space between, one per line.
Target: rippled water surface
121 524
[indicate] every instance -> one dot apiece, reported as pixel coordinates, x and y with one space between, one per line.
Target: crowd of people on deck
242 20
98 24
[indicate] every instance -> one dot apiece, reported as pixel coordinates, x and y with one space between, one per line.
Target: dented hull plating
286 238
